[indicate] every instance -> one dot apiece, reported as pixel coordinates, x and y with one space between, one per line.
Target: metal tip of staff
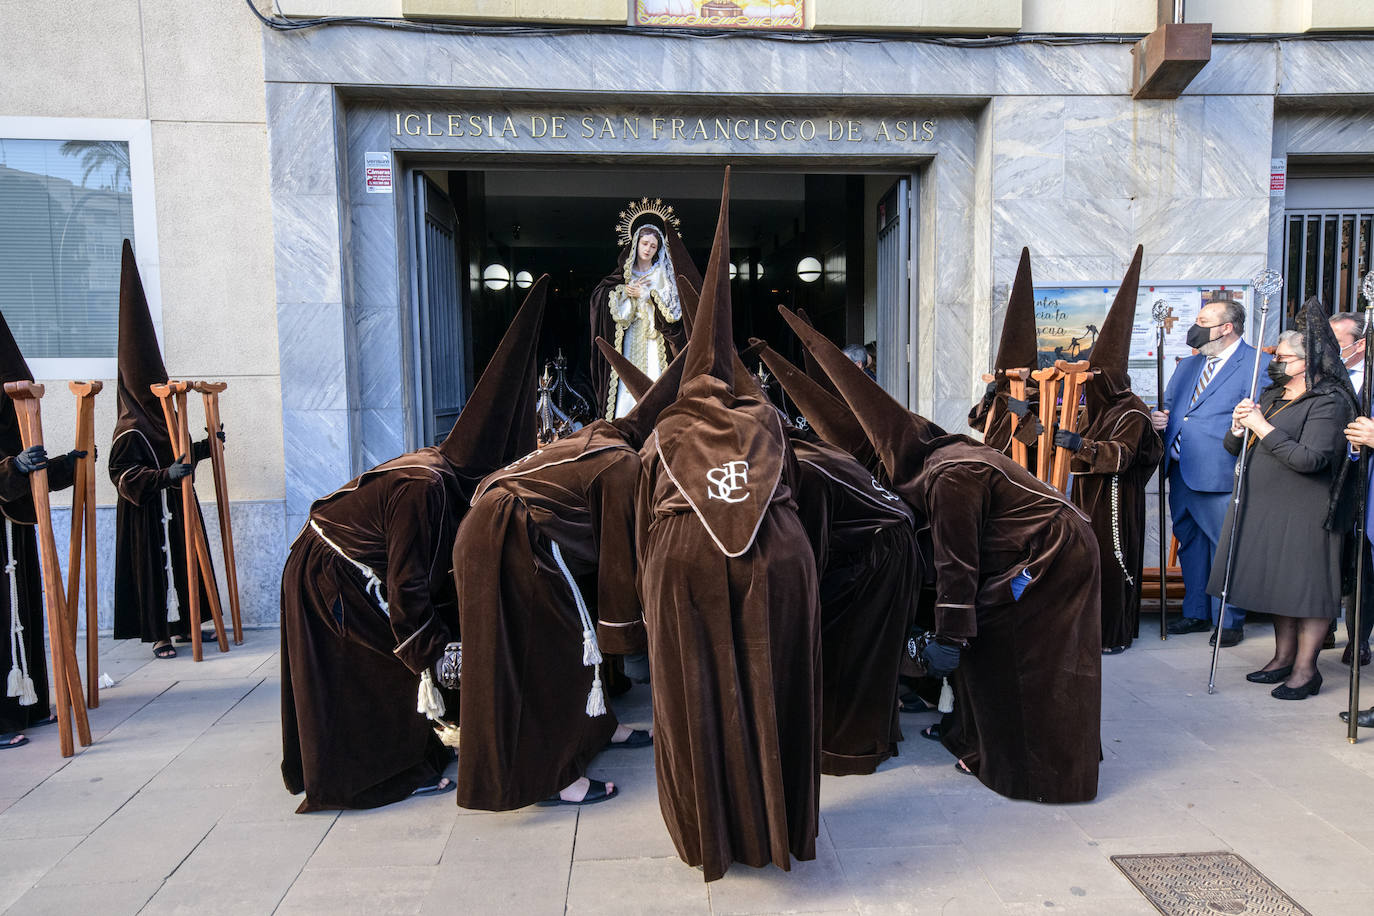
1367 287
1267 282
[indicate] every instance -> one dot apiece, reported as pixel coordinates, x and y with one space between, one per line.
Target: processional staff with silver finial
1163 317
1266 284
1361 511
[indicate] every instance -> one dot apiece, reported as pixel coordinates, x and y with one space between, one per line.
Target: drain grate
1206 884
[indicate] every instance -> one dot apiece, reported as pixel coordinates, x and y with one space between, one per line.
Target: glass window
65 208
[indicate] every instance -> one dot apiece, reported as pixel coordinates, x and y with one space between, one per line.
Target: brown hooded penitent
25 607
140 455
1119 454
1016 575
532 690
729 589
865 546
1017 349
367 595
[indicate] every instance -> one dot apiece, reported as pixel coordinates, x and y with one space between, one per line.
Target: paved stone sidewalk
179 806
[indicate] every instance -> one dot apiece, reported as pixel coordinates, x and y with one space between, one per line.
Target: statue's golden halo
633 215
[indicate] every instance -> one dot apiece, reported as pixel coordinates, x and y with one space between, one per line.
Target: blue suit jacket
1203 461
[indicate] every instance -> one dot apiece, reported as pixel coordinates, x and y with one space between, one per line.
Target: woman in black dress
1288 548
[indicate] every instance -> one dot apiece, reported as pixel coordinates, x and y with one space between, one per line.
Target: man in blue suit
1196 415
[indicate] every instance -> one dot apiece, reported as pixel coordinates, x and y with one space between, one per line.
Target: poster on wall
720 14
1069 318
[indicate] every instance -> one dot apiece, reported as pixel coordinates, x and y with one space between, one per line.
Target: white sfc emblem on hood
727 480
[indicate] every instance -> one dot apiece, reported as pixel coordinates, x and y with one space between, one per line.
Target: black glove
74 456
1018 407
940 660
179 470
33 458
990 393
637 667
1065 439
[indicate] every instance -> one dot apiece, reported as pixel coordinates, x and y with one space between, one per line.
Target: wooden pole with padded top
210 391
83 533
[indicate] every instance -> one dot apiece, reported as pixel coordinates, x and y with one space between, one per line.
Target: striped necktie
1207 372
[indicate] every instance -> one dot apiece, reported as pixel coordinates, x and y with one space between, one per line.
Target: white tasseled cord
591 652
19 684
946 703
429 701
375 586
173 605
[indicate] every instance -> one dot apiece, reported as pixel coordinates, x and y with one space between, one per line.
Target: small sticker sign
377 171
1278 177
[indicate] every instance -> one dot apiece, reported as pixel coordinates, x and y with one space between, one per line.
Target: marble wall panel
300 140
307 248
1235 158
1316 68
345 55
1114 147
1202 226
380 364
889 68
1328 131
1035 69
374 256
259 552
311 336
1072 228
383 435
1250 68
1028 146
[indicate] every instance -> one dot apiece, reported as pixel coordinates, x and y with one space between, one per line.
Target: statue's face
647 247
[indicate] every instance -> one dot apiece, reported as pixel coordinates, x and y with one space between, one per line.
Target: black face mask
1278 371
1198 336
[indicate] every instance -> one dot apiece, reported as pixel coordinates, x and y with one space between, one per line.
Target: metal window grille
1326 254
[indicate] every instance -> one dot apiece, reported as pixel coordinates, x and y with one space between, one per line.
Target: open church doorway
839 244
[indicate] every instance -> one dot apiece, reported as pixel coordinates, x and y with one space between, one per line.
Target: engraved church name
602 128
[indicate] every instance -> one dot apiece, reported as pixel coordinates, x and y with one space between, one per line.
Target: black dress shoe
1269 677
1300 692
1364 718
1187 625
1229 637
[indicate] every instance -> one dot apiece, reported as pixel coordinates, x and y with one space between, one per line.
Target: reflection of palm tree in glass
101 155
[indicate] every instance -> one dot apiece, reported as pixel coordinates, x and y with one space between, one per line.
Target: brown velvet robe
999 432
525 730
1120 452
138 470
869 568
730 605
1028 691
16 503
351 737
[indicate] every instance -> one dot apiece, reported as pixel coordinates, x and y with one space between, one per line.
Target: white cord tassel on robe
19 684
946 703
429 701
173 605
591 652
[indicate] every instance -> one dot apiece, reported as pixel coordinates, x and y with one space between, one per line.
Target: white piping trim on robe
374 584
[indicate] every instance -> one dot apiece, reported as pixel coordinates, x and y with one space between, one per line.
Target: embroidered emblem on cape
884 492
727 480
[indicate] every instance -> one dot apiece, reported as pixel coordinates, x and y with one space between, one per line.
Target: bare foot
578 790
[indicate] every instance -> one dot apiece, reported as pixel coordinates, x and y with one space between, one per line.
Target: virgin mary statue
637 307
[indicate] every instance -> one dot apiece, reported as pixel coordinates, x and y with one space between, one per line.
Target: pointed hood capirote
1113 345
711 349
140 364
651 397
827 414
902 439
1018 348
497 422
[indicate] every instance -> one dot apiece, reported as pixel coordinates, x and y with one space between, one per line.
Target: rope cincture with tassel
173 604
591 652
19 683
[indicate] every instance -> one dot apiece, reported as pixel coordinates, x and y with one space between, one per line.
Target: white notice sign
377 171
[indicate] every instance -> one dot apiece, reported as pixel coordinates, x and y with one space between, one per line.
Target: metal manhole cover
1206 884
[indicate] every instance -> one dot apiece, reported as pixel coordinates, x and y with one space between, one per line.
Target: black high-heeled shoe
1269 677
1301 692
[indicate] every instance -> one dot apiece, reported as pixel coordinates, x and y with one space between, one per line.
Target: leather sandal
638 738
596 792
167 651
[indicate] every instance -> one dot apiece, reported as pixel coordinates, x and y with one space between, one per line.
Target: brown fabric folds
140 364
526 733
